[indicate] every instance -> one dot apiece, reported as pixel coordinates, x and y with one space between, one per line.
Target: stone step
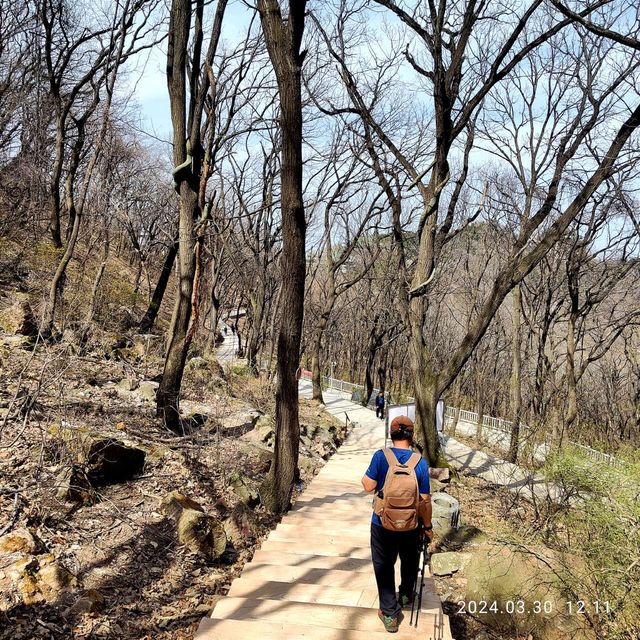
347 549
311 560
321 485
301 592
329 501
325 616
350 525
299 533
319 514
311 575
268 589
342 494
213 629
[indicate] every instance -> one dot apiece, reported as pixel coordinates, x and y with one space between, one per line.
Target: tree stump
196 530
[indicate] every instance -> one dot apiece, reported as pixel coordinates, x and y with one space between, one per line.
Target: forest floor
115 552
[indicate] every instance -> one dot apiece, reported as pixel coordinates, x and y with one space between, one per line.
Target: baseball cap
401 421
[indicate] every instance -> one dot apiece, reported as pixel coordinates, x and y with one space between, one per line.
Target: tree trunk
426 396
86 329
257 301
190 177
457 392
516 377
316 374
321 327
283 41
56 285
149 318
572 380
425 385
168 395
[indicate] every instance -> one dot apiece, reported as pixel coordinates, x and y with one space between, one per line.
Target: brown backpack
399 505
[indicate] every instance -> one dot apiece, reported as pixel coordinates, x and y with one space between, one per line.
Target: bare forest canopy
449 191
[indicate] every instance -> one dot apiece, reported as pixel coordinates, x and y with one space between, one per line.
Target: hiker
380 405
396 531
225 331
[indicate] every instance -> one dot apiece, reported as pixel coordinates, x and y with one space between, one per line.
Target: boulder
146 344
147 390
196 364
16 317
437 486
265 429
237 424
20 540
498 573
196 530
205 365
244 488
16 342
28 579
110 461
448 563
446 511
127 384
74 486
96 461
440 474
52 578
260 456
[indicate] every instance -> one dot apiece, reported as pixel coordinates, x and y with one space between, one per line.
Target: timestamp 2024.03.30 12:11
524 607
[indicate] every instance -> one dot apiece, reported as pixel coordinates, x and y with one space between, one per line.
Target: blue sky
146 79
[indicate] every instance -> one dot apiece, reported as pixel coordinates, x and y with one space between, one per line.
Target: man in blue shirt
380 405
386 545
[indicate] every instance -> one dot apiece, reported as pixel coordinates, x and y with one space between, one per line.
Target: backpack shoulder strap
390 456
413 461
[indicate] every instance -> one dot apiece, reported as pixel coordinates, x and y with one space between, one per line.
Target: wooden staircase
312 578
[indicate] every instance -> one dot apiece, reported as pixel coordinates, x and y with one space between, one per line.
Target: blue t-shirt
378 471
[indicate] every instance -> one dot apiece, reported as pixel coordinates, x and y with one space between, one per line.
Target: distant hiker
225 331
380 405
402 515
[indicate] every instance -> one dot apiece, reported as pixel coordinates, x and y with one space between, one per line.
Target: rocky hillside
110 526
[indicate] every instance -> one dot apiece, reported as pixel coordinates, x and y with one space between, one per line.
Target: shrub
597 537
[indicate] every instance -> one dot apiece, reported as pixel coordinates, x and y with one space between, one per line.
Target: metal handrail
488 422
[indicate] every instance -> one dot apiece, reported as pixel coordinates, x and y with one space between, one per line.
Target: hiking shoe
390 622
406 602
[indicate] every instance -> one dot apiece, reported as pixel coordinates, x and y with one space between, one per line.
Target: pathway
312 578
530 485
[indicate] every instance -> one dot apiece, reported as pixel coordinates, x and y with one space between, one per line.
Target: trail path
528 484
312 578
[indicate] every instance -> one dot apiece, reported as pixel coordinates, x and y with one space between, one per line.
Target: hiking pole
415 588
425 559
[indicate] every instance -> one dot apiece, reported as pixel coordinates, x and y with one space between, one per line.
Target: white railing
488 422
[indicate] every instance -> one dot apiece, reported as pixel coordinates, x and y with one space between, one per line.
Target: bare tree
460 84
189 83
77 91
284 38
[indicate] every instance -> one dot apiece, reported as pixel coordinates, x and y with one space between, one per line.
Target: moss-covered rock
244 488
